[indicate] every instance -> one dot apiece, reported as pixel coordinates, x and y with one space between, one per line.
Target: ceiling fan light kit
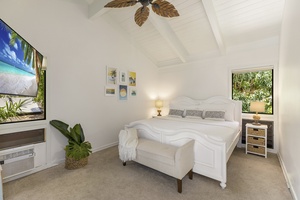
161 7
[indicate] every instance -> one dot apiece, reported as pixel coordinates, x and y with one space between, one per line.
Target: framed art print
123 92
111 75
110 91
123 77
133 92
132 78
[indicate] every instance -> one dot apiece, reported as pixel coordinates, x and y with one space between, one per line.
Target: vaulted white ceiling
204 29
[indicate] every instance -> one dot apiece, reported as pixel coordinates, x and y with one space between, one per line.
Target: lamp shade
257 106
158 103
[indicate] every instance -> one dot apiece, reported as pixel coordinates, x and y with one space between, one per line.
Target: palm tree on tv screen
29 54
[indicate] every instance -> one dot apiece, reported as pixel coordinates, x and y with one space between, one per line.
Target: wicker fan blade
164 9
120 3
141 15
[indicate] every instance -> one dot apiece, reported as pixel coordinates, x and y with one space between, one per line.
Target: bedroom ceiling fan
160 7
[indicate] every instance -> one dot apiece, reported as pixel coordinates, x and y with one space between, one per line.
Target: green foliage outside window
253 86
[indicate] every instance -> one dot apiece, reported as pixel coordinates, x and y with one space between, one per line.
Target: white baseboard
288 182
105 147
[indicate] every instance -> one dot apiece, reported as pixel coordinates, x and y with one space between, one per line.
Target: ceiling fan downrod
145 2
148 2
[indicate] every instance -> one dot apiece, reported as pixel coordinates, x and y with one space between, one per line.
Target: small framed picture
112 75
123 77
133 92
132 78
123 92
110 91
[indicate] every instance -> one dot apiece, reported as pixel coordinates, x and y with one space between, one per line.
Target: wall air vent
17 161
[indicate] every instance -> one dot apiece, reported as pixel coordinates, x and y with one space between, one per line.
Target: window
253 85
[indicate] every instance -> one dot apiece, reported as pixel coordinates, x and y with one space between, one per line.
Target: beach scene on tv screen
19 64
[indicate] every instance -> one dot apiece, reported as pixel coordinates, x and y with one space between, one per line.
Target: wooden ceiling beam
213 20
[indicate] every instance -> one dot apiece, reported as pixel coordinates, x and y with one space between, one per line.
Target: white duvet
222 131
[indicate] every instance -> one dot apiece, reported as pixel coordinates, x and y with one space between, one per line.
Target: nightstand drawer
256 140
256 149
255 131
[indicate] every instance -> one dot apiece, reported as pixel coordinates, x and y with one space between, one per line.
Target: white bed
214 139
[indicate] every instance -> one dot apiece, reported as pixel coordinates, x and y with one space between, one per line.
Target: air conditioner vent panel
17 154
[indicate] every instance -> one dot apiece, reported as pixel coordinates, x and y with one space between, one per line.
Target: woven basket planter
71 163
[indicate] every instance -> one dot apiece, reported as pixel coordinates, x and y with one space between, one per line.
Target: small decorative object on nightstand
256 139
158 105
257 107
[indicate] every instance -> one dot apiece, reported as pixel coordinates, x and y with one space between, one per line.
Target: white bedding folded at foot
128 141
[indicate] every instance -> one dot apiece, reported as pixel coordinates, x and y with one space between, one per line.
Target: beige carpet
250 177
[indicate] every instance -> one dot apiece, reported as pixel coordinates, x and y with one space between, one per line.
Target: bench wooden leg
191 174
179 182
124 163
179 185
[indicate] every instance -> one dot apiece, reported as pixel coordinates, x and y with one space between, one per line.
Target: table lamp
158 105
257 107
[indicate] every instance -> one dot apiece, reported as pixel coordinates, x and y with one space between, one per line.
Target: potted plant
77 150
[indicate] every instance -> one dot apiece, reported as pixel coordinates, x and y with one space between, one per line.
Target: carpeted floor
250 177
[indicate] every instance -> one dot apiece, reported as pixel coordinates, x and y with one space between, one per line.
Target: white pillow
228 108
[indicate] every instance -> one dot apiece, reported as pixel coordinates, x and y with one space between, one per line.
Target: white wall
78 51
212 77
289 95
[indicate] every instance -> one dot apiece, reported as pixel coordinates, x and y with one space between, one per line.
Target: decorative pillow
196 114
175 113
228 108
214 115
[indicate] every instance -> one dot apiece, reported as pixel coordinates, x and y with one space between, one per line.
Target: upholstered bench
171 160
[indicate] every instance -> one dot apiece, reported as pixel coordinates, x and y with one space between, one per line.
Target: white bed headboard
185 102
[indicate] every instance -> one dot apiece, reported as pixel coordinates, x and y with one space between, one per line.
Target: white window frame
269 117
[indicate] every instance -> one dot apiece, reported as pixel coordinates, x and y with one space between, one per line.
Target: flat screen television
20 64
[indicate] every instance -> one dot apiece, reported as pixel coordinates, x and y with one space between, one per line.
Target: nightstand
256 139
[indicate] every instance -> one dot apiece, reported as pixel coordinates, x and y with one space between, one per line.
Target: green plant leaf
79 131
62 127
78 152
77 148
75 136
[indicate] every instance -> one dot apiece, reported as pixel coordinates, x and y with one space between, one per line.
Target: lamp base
158 111
256 119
